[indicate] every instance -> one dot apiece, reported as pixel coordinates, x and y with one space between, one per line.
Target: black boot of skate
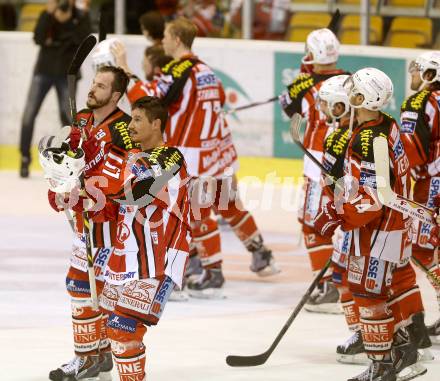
326 301
352 351
419 336
105 366
85 368
208 285
405 357
377 371
434 332
263 262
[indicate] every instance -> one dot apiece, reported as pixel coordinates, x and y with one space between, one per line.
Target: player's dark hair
120 78
154 109
157 56
154 23
185 29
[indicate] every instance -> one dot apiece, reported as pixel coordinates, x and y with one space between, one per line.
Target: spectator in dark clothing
59 31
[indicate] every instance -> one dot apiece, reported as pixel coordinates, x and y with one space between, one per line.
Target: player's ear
116 96
157 125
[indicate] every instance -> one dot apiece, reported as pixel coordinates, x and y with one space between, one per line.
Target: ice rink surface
193 338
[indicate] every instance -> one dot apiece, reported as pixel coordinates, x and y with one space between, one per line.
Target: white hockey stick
386 195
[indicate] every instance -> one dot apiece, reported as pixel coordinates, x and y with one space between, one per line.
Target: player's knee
125 334
78 285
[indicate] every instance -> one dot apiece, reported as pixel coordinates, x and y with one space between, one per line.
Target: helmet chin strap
307 62
350 126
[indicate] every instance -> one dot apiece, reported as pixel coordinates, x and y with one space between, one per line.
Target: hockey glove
327 220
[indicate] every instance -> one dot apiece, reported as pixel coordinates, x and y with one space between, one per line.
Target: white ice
193 338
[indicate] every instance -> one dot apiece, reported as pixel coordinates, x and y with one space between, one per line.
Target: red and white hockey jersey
153 230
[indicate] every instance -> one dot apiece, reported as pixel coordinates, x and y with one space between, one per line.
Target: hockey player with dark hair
322 52
151 187
380 242
105 125
420 129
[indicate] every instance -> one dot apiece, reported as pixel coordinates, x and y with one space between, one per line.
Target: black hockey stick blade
83 51
334 21
81 54
102 28
237 361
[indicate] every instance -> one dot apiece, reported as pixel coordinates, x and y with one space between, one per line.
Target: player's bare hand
120 54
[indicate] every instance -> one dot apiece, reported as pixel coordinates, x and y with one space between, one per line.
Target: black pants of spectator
40 86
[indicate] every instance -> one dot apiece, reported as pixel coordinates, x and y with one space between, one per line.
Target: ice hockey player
151 187
322 52
108 126
334 103
405 294
380 239
420 118
194 97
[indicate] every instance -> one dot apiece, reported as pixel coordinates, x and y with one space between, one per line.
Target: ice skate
352 351
84 368
326 301
105 366
406 359
377 371
419 336
263 262
178 295
208 285
434 332
193 268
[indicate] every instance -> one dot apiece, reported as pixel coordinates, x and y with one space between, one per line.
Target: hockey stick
386 195
250 105
295 127
102 31
260 359
83 51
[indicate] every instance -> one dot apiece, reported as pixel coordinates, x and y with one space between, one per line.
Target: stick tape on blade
84 49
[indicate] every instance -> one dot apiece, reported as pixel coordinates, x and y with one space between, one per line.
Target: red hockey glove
75 137
327 220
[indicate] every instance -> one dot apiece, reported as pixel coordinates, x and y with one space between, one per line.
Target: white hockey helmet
427 61
332 91
62 167
102 55
373 84
322 47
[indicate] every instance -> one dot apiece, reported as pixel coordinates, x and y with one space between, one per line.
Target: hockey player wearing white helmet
379 242
322 48
420 130
322 51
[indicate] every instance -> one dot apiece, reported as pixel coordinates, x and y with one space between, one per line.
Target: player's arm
148 178
291 100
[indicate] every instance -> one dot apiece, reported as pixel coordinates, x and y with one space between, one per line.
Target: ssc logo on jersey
206 79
